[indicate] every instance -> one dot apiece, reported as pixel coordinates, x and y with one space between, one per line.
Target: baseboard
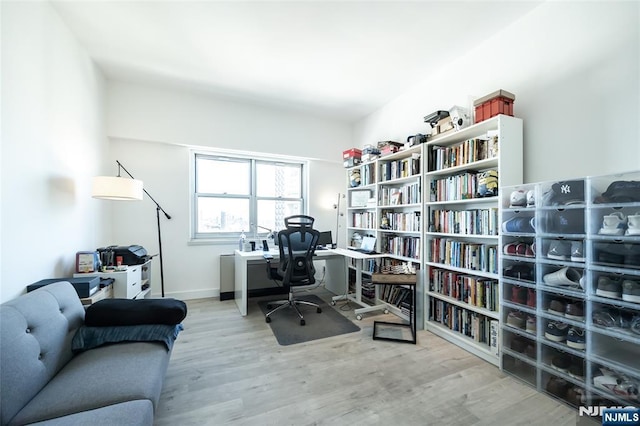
190 295
227 295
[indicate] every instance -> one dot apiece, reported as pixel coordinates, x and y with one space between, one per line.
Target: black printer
131 255
85 286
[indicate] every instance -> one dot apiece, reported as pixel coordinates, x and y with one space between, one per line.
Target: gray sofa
42 381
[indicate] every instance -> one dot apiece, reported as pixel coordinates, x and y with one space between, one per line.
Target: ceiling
342 59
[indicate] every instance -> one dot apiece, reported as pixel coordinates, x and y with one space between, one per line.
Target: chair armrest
267 256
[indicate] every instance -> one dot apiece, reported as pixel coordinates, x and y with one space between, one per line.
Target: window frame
253 160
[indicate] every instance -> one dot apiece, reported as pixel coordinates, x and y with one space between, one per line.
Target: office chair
295 270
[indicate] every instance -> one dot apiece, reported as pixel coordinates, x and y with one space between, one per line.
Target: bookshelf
387 204
461 239
420 204
601 311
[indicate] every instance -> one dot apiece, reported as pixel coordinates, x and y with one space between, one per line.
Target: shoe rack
570 288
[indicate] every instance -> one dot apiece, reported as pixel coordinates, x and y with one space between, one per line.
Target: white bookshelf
407 207
460 316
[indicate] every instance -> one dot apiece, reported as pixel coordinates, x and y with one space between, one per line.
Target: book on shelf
466 152
495 337
468 323
396 198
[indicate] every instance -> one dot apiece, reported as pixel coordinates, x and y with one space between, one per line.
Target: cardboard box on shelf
351 157
498 102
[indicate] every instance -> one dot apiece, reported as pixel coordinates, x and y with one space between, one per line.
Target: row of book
402 246
368 265
364 220
368 288
407 194
400 168
379 264
476 291
469 151
461 254
462 186
368 174
469 222
397 295
471 324
400 221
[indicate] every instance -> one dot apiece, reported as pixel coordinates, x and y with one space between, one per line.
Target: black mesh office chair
297 245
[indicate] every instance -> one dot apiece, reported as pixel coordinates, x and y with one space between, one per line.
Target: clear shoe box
564 364
617 254
563 280
520 368
520 345
624 353
568 220
602 214
562 387
558 311
614 320
606 286
617 385
516 271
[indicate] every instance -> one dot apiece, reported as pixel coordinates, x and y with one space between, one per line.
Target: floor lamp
128 189
338 214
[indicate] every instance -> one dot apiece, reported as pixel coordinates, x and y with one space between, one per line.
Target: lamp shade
116 188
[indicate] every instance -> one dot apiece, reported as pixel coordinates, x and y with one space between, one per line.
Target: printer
85 286
131 255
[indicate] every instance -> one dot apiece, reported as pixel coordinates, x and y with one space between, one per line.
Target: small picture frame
360 198
86 261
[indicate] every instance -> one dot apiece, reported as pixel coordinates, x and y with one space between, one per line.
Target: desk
357 296
336 275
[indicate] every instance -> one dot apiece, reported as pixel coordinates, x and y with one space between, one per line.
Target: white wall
151 133
52 143
575 70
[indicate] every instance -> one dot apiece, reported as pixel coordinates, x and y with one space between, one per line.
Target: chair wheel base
302 322
267 319
319 310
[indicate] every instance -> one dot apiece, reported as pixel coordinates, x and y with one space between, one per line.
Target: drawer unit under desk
126 285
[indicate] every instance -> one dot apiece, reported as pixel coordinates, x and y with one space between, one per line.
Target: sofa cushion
131 413
92 337
112 312
99 377
35 336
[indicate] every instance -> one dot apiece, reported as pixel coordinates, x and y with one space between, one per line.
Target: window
238 194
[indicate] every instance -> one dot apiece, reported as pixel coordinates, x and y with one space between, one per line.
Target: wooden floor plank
228 369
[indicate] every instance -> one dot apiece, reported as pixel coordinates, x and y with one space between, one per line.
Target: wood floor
226 369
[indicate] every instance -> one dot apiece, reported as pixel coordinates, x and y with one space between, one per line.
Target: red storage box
351 153
499 102
351 157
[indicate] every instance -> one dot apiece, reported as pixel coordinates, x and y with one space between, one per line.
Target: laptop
368 245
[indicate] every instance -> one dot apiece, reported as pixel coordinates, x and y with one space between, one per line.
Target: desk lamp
128 189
